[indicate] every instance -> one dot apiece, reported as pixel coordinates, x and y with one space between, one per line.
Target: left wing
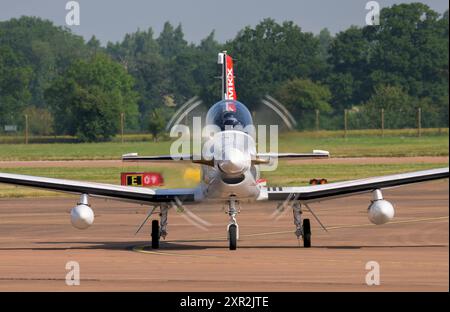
315 193
117 192
135 157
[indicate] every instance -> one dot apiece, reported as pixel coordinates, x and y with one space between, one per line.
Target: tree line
77 87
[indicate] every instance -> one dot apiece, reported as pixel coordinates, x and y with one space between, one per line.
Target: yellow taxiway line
141 248
352 226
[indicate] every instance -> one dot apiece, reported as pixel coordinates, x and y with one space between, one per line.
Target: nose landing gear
233 227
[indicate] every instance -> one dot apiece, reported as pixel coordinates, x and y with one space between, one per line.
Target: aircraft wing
118 192
315 193
316 154
135 157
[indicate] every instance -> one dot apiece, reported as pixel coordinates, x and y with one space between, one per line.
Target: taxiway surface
37 240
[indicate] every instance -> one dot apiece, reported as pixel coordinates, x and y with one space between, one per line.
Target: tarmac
412 251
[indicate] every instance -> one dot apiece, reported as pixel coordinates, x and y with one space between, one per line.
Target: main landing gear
155 234
303 229
159 229
233 227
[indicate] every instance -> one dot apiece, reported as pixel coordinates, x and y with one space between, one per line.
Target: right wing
315 193
267 158
315 154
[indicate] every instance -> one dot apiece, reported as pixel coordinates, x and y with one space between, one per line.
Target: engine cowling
381 211
81 217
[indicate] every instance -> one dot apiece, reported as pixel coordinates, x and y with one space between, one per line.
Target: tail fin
228 85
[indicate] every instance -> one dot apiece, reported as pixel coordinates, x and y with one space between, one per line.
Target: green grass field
360 144
367 143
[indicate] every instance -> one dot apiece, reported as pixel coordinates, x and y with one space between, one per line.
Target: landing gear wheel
155 234
306 233
232 236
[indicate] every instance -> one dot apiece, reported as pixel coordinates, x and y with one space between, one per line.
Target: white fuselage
233 173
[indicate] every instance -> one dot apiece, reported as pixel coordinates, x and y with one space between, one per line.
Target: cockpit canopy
229 115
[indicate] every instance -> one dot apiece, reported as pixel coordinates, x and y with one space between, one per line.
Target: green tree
14 86
40 120
399 108
171 41
94 45
349 58
44 48
157 122
207 69
139 54
342 89
271 54
325 40
410 49
87 100
302 97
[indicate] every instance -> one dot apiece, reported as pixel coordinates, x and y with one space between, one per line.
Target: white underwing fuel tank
82 216
380 211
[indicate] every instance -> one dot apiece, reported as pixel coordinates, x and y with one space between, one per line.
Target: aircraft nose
234 162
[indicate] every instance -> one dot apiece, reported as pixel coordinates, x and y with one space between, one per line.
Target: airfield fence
349 123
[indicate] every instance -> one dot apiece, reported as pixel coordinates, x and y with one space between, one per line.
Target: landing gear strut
163 217
303 229
159 229
233 227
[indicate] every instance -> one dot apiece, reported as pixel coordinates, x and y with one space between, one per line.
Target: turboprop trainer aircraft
230 174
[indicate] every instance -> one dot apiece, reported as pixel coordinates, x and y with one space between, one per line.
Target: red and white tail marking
230 88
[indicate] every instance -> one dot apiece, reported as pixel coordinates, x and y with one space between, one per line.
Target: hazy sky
110 20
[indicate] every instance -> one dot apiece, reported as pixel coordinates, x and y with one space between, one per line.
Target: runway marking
393 222
141 248
336 227
352 226
304 259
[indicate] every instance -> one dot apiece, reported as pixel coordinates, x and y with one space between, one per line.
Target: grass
359 143
143 137
80 151
287 174
290 175
20 139
367 146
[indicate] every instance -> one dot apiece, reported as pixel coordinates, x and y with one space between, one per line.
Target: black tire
306 233
232 236
155 234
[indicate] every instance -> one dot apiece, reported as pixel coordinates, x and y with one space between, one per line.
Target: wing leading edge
347 188
117 192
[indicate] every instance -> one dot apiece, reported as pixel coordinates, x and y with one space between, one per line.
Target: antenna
221 60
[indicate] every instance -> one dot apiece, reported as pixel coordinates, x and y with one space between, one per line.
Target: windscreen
229 115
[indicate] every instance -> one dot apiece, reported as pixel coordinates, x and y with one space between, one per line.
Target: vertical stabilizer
228 84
